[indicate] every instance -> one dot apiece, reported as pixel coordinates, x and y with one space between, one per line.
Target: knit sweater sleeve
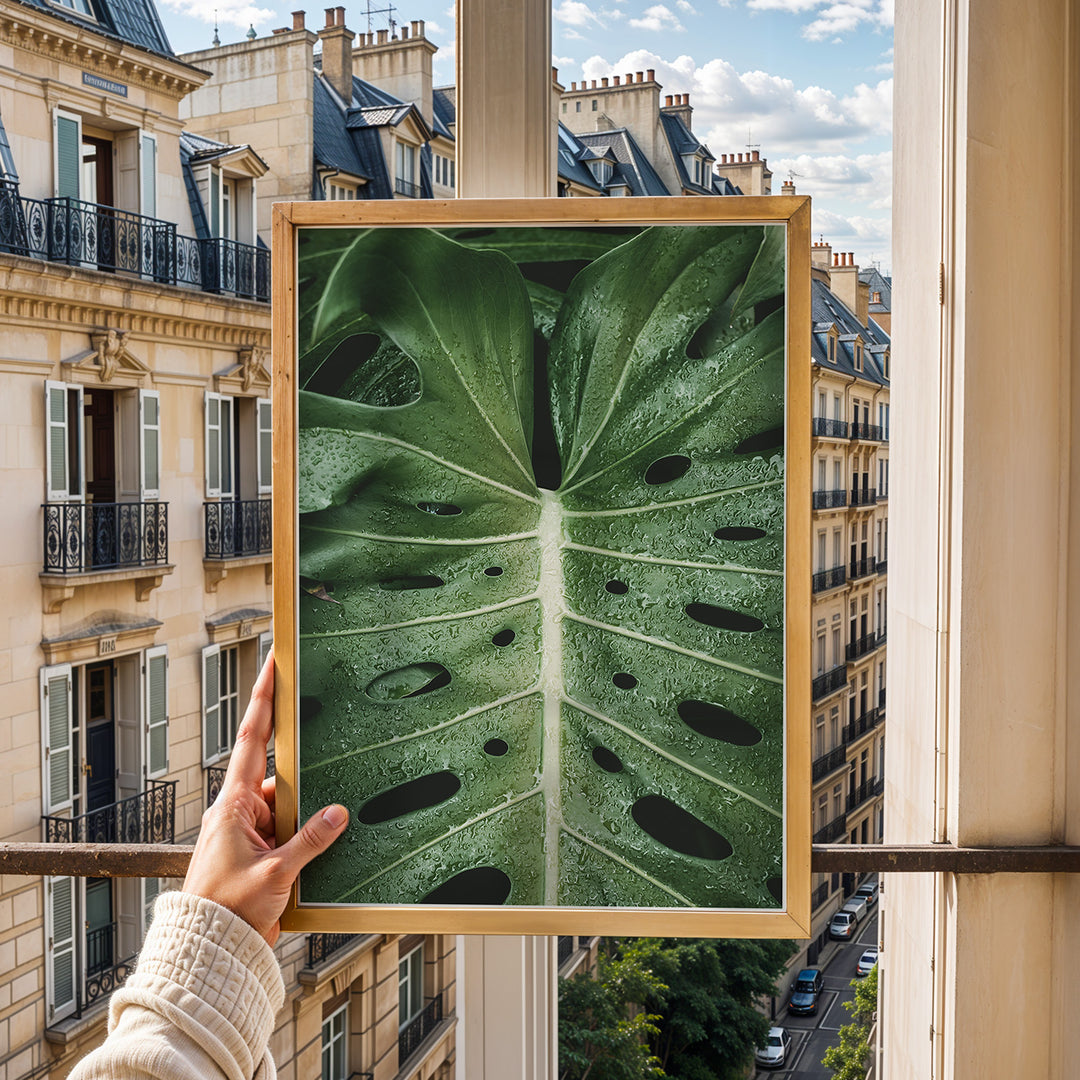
200 1005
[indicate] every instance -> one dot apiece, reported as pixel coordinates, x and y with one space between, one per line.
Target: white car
867 961
775 1051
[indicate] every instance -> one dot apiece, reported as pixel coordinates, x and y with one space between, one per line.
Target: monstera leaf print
562 694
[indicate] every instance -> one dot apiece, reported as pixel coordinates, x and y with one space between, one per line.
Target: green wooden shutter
55 683
57 481
150 444
68 155
60 970
266 450
157 711
211 689
226 447
148 174
215 202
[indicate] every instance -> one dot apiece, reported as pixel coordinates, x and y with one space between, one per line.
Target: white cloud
574 13
433 27
793 7
572 35
686 6
864 178
657 18
563 61
833 18
223 12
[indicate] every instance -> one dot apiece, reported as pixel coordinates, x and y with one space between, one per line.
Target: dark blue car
805 992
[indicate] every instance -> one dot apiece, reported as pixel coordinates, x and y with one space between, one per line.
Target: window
601 170
832 349
819 736
335 190
823 404
406 162
837 647
821 474
80 7
821 541
820 652
577 106
335 1045
237 445
594 104
410 985
564 106
221 700
230 203
823 811
858 356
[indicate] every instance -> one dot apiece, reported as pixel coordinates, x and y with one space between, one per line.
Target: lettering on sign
106 645
247 627
98 83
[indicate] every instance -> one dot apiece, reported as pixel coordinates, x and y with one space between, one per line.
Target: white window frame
410 974
220 453
149 431
57 115
59 795
148 139
64 494
264 445
331 1038
211 704
155 713
61 894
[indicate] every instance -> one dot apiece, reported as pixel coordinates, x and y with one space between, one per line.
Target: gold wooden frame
793 920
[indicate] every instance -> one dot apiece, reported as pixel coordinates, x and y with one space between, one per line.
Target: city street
812 1035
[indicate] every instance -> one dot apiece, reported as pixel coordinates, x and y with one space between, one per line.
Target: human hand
236 862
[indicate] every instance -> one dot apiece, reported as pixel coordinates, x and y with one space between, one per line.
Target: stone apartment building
136 471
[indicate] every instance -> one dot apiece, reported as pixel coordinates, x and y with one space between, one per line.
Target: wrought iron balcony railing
820 895
103 972
407 188
215 777
235 528
566 948
828 500
829 579
829 682
418 1029
828 762
833 831
81 537
863 496
862 724
146 818
868 432
861 646
881 699
882 566
835 429
99 237
866 791
863 567
321 947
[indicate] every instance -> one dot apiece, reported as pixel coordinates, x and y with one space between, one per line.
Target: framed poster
541 563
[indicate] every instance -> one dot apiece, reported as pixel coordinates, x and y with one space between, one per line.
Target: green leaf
532 696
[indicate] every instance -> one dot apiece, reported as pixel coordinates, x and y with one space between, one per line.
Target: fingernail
335 816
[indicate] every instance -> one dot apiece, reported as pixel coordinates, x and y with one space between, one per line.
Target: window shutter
212 443
68 154
151 889
266 450
150 444
57 481
156 682
215 201
148 174
226 416
211 688
60 972
266 639
56 738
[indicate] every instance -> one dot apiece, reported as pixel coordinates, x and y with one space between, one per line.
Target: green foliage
851 1058
463 628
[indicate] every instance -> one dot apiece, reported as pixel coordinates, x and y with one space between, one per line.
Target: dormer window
80 7
858 356
832 349
601 170
405 175
875 298
337 190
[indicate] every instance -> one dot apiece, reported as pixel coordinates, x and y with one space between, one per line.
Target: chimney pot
573 86
298 20
629 76
339 16
740 157
836 259
329 17
650 74
638 77
615 80
419 32
667 101
382 37
594 84
414 31
603 82
757 155
404 33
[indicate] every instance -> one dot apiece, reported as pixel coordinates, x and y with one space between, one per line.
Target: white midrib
552 609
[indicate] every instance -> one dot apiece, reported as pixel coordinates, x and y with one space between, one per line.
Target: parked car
869 892
867 961
775 1051
805 992
842 926
857 907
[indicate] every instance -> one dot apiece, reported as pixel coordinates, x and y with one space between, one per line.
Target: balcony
829 682
866 791
829 762
829 579
866 432
860 726
236 529
861 646
97 237
820 895
882 566
406 188
104 972
829 429
321 947
861 568
832 832
829 500
84 537
881 701
146 818
864 496
418 1029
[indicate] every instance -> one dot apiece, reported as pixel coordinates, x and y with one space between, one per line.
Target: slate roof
633 166
338 148
878 284
683 141
442 99
828 311
133 21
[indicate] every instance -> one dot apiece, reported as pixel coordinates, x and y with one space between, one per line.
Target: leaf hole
773 439
723 618
403 584
418 794
493 571
624 680
775 886
665 470
503 637
496 747
617 587
716 722
669 824
310 707
440 509
607 759
410 681
739 532
479 885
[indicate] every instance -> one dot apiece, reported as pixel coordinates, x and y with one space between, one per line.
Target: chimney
404 33
615 80
650 75
298 20
337 44
821 255
679 106
787 187
400 65
845 285
638 77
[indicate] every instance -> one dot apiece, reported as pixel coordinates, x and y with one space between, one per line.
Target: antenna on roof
217 38
751 145
388 11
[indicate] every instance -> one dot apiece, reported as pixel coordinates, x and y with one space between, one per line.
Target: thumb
314 837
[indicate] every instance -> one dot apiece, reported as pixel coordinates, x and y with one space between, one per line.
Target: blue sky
809 81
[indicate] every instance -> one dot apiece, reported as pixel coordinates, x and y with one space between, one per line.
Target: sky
808 82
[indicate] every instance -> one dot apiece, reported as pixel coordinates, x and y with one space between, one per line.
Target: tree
850 1060
603 1029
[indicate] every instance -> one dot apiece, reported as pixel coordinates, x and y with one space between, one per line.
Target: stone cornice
69 42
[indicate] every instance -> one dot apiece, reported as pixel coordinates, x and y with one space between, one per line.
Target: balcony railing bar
80 537
820 895
867 790
828 682
867 432
418 1029
323 946
855 729
863 567
829 579
104 972
215 777
407 188
863 496
146 818
836 429
829 762
828 500
236 528
833 831
861 646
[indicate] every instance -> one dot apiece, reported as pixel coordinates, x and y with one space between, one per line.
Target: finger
248 764
269 792
314 837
